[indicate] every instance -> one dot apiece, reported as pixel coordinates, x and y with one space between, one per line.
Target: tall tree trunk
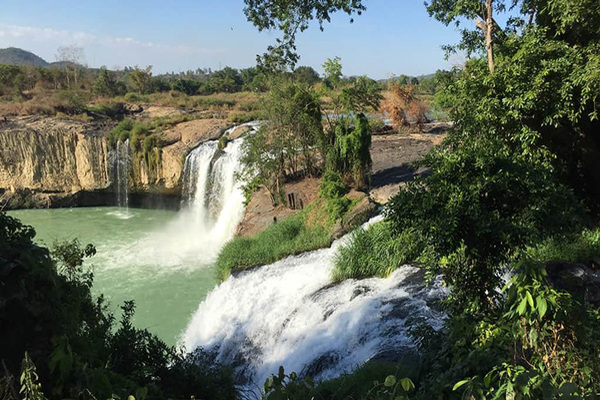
488 34
486 24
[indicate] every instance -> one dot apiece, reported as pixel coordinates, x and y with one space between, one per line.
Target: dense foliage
292 129
67 340
510 187
300 138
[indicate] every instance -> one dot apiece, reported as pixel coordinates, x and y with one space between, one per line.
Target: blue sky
391 37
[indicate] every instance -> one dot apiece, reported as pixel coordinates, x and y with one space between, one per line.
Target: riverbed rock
578 279
393 155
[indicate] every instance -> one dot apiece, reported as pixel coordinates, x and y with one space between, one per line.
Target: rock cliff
50 162
50 155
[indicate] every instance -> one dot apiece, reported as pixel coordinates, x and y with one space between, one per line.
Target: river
164 260
138 258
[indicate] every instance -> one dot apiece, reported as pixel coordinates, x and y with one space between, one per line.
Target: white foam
290 314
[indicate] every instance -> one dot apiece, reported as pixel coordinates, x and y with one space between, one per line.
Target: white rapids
290 314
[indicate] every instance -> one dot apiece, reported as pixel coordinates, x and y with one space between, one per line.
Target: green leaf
459 384
542 306
529 299
390 381
487 380
522 307
407 384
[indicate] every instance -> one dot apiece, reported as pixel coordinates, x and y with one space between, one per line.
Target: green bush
136 98
373 380
374 251
70 336
74 102
484 202
332 186
333 190
113 109
120 133
284 238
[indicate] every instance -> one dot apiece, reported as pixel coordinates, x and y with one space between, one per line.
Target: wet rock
320 364
578 279
359 291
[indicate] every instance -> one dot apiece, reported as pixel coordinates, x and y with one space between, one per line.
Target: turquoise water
149 256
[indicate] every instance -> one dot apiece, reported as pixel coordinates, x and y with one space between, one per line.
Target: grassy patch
374 252
243 117
356 384
580 248
291 236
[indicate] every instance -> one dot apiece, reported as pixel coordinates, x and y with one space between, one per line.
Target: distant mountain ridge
15 56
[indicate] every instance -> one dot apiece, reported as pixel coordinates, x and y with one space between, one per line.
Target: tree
72 58
141 79
106 83
50 318
287 144
333 71
187 86
481 11
306 75
402 106
292 17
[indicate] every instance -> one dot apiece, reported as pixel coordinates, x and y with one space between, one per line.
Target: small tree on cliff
141 79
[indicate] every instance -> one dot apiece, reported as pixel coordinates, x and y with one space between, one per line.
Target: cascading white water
212 207
212 195
290 314
121 168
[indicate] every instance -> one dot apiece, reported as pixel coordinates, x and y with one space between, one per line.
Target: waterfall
212 207
212 202
120 163
290 314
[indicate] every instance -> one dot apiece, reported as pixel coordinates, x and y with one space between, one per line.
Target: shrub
284 238
579 248
110 109
136 97
484 202
375 251
120 133
332 186
333 191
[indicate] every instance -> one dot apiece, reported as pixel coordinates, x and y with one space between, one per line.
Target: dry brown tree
403 107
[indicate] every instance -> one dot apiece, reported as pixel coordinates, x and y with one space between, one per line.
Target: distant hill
63 64
14 56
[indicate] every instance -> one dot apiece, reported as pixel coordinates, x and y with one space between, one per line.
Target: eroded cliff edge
52 162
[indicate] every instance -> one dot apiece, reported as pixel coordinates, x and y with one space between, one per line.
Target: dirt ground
392 157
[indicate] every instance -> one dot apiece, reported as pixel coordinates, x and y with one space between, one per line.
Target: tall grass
287 237
580 248
374 251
